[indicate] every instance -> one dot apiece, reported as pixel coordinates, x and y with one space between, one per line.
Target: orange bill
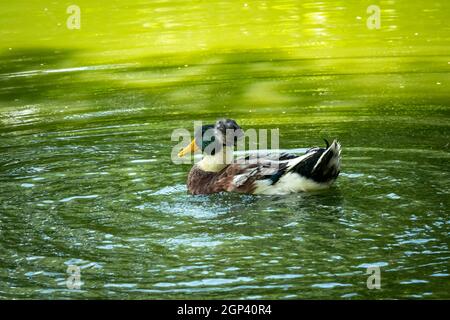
191 148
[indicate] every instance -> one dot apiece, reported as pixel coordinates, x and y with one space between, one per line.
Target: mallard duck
281 173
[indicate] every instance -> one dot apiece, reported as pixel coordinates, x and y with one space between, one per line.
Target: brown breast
204 182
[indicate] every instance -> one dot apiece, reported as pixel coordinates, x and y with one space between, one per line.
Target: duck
267 173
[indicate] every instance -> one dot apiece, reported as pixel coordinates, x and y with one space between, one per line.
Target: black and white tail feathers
323 164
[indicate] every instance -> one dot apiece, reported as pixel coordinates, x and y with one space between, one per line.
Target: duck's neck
218 161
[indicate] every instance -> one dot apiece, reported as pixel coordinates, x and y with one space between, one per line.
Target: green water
86 177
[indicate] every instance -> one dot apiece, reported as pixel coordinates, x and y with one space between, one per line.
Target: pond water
86 177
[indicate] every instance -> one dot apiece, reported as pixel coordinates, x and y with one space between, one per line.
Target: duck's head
212 138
